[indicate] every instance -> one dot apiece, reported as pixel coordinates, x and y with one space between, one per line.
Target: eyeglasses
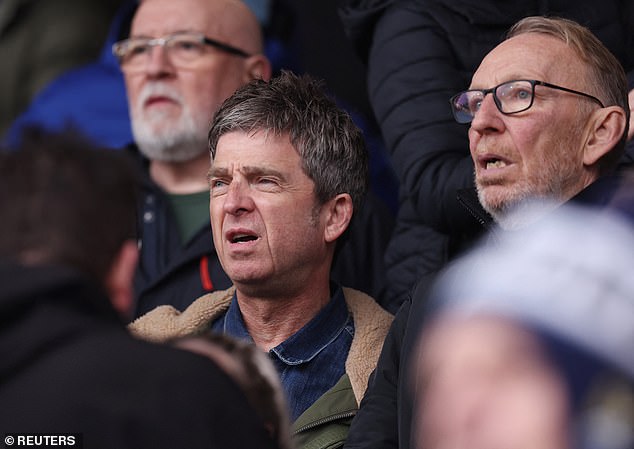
510 97
183 49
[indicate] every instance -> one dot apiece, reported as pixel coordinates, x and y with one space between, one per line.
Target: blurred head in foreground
530 342
253 371
67 203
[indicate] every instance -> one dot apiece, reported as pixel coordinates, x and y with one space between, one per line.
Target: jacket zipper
464 202
328 419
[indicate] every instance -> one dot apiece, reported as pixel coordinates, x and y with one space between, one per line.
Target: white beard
180 140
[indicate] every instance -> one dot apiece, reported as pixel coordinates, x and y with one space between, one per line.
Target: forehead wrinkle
252 170
171 33
507 79
531 56
247 170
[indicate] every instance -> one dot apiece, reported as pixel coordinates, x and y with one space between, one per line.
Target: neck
272 320
181 177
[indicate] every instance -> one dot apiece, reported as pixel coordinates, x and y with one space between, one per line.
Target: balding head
173 100
230 21
237 23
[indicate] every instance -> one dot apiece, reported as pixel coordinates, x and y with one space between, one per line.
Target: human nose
158 62
488 117
237 200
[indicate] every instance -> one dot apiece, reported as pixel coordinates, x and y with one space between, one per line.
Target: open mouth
243 238
494 163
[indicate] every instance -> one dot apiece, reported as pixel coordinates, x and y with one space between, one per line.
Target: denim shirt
312 360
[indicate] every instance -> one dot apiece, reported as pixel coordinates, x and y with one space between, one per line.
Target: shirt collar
233 324
306 343
318 333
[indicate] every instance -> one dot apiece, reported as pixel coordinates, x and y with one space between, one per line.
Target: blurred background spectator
41 39
92 97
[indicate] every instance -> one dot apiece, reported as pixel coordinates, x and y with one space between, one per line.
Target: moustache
158 90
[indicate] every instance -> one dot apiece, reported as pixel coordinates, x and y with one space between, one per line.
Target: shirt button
148 217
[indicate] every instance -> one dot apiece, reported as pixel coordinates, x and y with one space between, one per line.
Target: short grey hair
605 76
331 146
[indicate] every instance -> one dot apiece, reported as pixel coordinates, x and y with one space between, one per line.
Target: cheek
215 215
290 227
206 90
533 410
133 88
474 137
200 99
533 141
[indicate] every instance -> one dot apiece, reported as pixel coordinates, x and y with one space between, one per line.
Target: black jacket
384 418
69 365
174 273
170 271
419 53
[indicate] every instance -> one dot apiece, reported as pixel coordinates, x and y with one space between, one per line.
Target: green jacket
325 423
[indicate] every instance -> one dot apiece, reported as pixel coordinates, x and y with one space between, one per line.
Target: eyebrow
248 170
216 172
147 36
514 77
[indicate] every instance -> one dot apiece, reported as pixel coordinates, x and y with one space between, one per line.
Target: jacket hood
39 307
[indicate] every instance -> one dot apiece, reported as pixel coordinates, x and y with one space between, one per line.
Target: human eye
186 45
218 186
137 48
516 91
474 101
267 182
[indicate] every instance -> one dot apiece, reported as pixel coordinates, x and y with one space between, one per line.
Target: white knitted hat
571 274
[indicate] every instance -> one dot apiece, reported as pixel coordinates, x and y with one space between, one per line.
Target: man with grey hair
548 117
288 170
548 114
181 60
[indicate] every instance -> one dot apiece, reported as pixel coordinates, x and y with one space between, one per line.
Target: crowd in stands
211 237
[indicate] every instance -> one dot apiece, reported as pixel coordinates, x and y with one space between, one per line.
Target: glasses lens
514 96
132 52
185 48
465 104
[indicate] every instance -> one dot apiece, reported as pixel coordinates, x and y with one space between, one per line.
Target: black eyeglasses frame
498 103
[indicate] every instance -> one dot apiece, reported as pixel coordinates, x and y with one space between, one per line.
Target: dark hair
63 201
605 77
330 145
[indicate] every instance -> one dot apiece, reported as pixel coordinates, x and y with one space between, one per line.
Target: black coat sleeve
413 70
376 423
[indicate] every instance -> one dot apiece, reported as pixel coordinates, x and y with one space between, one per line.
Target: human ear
118 282
257 67
607 127
339 213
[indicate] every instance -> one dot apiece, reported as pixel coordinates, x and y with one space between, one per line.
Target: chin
493 200
517 212
244 276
